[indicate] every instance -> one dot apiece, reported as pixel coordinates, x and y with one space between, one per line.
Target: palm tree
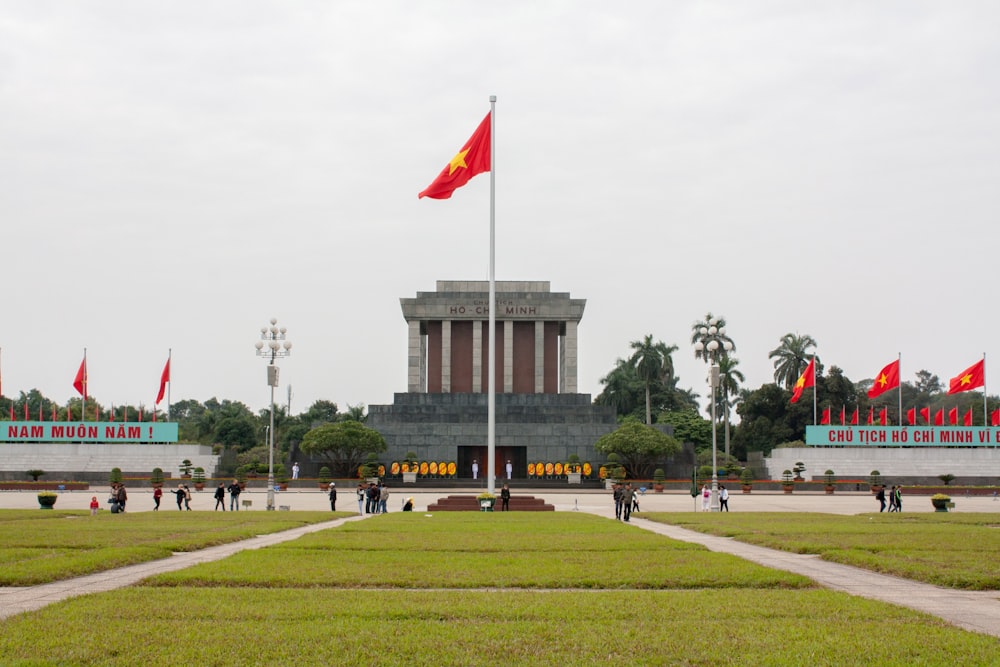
729 379
710 329
791 358
652 363
619 388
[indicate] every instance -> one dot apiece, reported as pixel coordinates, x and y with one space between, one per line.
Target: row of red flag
911 417
111 417
971 378
80 381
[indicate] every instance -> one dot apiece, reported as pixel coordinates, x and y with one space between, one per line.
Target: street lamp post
716 337
271 346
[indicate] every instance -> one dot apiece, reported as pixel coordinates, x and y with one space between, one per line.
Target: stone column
568 360
508 357
539 357
477 357
416 370
446 356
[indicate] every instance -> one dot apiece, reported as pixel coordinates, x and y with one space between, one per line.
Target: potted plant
746 479
324 478
613 471
798 469
941 502
241 477
658 480
486 501
35 474
787 482
371 467
47 499
828 480
185 468
116 476
199 478
573 469
156 478
946 478
281 476
410 468
875 481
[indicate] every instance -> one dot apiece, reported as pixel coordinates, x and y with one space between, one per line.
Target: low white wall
858 462
101 458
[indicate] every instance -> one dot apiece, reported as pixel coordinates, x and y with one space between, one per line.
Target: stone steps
471 504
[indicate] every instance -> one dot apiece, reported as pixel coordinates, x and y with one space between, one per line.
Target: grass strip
945 549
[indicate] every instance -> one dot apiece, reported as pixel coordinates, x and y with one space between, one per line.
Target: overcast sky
174 174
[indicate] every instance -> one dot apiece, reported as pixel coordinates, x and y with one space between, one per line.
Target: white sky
174 174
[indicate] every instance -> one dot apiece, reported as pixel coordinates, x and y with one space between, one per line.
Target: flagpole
984 390
83 409
170 382
491 392
899 385
815 388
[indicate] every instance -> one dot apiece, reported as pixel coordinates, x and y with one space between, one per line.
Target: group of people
372 499
626 501
895 497
706 498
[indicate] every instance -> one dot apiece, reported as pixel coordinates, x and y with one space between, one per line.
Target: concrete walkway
971 610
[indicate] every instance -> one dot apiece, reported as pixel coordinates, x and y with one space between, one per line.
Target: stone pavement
971 610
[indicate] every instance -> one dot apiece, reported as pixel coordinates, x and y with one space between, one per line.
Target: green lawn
946 549
474 588
39 547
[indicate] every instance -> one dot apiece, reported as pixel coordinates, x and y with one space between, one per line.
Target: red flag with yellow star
972 377
807 379
888 378
472 159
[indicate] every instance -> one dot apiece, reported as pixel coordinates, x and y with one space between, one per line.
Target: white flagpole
86 372
985 416
899 385
815 387
491 391
170 380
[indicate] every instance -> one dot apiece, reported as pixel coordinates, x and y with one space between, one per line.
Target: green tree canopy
345 445
642 447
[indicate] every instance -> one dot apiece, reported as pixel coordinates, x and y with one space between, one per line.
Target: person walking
220 497
383 499
121 497
157 494
234 496
94 505
627 502
333 497
899 498
880 496
187 497
505 499
723 498
616 493
892 498
180 497
362 495
706 498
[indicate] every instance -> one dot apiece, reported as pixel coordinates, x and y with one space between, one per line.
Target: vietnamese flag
80 382
939 417
883 416
926 414
825 418
472 159
871 415
854 418
953 416
967 419
843 415
888 378
164 379
807 379
972 377
995 417
911 416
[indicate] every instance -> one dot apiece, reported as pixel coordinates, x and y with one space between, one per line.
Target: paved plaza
972 610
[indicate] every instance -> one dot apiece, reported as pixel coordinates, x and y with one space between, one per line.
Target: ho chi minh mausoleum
539 414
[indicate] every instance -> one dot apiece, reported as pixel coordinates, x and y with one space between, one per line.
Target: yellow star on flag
967 379
458 161
883 380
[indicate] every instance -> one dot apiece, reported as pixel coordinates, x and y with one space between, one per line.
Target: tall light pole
271 346
710 339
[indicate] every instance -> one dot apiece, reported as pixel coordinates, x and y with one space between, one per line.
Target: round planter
940 505
46 502
747 488
829 489
787 488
